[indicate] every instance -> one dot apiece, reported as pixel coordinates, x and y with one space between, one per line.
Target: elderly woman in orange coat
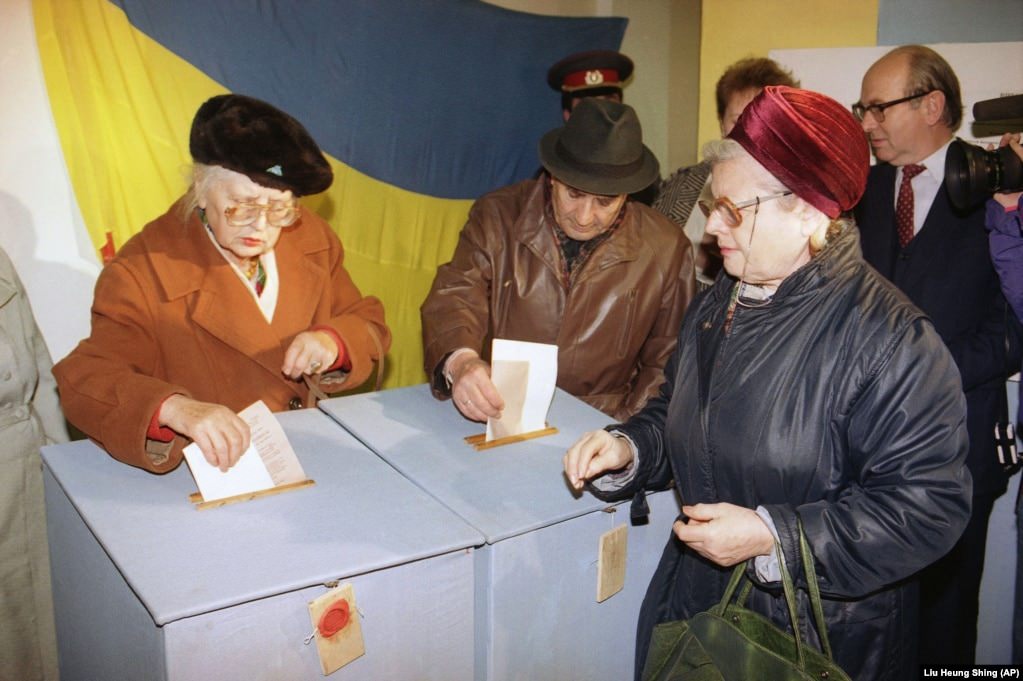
235 294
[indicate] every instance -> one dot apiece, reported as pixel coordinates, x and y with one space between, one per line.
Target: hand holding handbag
730 643
320 386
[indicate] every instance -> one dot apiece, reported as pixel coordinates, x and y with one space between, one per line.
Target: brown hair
754 73
929 71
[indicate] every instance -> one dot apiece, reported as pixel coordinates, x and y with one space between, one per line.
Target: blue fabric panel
902 22
441 97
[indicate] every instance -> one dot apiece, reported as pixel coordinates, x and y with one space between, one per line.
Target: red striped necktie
904 204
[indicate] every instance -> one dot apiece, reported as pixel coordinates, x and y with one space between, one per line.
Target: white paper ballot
525 375
269 461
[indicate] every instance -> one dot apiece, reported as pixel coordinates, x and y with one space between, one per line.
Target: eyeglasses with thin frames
731 216
860 109
729 212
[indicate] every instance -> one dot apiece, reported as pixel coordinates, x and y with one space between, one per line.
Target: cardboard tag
337 628
611 562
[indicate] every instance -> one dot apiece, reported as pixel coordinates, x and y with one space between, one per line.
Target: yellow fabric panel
123 105
734 29
394 240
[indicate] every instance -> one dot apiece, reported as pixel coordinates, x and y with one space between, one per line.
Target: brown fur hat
251 137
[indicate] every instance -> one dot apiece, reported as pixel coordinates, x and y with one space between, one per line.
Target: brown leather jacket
615 326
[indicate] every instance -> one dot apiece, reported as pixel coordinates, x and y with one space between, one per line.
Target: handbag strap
814 590
381 357
315 392
733 583
790 597
790 603
312 382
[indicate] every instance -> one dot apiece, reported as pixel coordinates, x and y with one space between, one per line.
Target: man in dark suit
910 107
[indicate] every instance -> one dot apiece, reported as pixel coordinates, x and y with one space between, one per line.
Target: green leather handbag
730 643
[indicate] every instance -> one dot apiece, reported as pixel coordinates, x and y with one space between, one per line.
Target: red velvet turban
810 142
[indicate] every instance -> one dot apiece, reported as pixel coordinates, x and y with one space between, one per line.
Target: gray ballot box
537 617
148 588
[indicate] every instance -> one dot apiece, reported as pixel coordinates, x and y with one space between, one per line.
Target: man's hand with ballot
473 392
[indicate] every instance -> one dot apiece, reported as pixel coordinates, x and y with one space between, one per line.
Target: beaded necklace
254 272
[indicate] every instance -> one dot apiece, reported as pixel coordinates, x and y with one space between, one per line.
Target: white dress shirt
925 185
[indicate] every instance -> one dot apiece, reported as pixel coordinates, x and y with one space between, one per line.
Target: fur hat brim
254 138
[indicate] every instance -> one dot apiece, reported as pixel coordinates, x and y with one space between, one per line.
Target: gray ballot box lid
502 492
360 516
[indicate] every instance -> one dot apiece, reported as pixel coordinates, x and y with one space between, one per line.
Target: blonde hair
203 178
828 233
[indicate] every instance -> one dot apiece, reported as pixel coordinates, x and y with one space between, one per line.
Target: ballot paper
525 375
268 462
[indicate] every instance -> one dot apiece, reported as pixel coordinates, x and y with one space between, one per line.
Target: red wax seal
334 618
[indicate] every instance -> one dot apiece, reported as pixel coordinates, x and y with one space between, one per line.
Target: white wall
985 71
40 226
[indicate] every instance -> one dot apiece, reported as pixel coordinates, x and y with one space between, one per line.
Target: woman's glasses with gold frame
729 212
278 213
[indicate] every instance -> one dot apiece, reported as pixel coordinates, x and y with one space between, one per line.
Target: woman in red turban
805 391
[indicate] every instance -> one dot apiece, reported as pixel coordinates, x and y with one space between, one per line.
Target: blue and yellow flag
421 107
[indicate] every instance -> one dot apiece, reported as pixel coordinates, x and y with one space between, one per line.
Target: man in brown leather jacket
566 259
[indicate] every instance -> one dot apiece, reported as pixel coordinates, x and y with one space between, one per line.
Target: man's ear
934 107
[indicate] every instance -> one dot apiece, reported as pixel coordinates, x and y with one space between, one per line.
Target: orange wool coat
171 316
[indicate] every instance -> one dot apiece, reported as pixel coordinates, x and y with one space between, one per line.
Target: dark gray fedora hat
600 150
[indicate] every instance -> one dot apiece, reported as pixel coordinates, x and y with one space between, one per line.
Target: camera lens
972 174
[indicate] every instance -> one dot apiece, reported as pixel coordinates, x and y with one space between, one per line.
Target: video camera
973 173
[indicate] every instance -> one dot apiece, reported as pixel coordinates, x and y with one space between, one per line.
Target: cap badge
275 170
594 77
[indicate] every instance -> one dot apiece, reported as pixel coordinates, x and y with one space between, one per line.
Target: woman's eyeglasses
877 110
729 212
278 213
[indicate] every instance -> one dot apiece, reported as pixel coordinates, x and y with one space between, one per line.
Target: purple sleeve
1006 242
